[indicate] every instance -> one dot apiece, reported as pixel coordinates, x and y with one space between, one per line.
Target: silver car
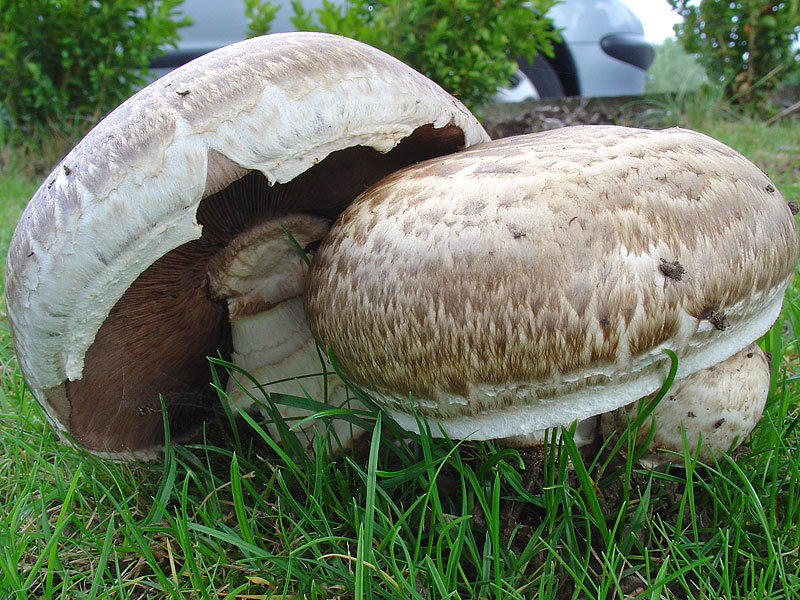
603 51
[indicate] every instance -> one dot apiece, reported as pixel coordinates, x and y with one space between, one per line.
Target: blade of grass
239 503
364 551
586 483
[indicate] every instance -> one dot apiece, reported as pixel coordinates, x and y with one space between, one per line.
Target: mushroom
715 408
131 259
530 282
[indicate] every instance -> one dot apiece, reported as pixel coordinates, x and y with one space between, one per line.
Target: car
602 53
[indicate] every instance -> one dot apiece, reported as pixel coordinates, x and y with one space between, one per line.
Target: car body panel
585 24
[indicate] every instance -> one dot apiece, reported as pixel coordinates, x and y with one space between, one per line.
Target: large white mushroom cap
530 282
284 123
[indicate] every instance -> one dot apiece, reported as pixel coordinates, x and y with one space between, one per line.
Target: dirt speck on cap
718 320
672 269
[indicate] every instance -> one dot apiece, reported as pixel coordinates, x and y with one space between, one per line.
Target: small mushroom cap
718 406
297 122
520 284
261 267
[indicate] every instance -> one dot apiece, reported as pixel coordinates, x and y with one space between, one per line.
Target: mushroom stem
276 348
585 434
261 274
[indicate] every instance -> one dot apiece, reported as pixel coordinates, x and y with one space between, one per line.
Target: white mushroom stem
261 274
716 408
262 266
276 348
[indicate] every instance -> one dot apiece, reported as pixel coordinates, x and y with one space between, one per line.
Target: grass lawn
233 515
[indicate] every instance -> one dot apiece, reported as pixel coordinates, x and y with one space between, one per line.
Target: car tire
542 76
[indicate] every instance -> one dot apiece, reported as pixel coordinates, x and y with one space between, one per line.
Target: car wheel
542 77
531 81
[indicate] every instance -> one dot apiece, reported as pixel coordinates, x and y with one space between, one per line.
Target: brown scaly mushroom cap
716 408
529 282
108 290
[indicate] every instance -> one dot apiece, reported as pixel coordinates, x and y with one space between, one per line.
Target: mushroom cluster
495 288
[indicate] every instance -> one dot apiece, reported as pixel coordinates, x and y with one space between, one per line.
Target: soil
652 111
503 120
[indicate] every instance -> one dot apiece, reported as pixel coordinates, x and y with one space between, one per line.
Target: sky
657 18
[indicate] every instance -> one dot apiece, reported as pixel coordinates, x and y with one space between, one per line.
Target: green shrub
259 16
674 70
746 45
67 59
469 47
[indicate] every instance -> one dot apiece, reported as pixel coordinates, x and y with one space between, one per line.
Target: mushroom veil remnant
160 238
529 282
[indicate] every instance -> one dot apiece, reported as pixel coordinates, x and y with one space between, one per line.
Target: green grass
233 515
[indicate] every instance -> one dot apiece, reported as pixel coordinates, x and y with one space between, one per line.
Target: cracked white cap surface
129 192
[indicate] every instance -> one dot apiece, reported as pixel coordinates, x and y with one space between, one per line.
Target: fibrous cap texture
525 283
